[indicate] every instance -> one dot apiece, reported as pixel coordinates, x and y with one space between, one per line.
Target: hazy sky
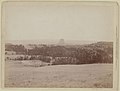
34 21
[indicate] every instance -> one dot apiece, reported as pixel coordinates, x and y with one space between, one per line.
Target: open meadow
63 76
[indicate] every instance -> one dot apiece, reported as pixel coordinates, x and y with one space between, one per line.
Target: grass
62 76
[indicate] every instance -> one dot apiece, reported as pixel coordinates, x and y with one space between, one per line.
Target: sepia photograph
59 44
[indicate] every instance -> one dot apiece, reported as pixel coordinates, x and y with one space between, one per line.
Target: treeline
101 52
19 49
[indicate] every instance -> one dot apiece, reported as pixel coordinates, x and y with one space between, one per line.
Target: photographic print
59 44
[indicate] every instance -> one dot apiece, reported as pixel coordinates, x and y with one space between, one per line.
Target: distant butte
61 42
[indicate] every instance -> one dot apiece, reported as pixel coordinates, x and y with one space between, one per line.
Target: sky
69 21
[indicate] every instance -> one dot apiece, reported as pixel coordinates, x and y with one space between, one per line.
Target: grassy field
63 76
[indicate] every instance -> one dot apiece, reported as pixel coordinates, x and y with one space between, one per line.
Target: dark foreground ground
72 76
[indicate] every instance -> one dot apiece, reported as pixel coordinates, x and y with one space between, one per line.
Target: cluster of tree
65 60
101 52
19 49
34 57
54 51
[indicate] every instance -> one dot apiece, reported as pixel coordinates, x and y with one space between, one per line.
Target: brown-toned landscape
59 44
62 76
60 66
